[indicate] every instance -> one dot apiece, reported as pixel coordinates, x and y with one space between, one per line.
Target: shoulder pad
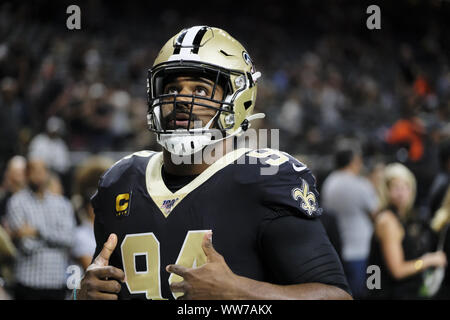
284 182
135 161
120 172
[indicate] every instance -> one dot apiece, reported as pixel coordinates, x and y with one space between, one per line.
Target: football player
170 229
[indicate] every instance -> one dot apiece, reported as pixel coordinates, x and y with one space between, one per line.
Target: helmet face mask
200 53
160 100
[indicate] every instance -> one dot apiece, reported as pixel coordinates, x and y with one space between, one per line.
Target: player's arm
299 255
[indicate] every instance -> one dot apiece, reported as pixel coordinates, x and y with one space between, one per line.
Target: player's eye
171 90
200 91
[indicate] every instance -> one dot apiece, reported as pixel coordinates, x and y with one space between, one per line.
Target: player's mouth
181 121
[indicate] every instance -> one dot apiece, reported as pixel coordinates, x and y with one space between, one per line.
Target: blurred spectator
54 185
440 224
14 180
442 179
7 254
290 119
42 225
50 147
409 132
414 139
353 199
376 177
86 181
442 216
7 248
335 81
395 245
45 90
12 112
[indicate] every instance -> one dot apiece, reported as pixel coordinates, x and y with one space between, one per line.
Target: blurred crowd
67 97
373 219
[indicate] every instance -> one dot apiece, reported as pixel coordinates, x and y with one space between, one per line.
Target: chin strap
256 116
256 76
184 145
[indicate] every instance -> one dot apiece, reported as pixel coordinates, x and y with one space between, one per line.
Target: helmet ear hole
247 104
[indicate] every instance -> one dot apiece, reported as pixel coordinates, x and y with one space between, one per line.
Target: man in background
52 149
42 225
14 180
353 199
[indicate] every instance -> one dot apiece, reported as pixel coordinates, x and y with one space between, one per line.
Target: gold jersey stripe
159 192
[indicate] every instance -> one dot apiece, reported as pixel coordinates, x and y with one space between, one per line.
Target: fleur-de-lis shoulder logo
307 198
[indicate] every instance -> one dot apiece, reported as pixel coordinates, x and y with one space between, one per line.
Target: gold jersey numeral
266 153
149 281
191 255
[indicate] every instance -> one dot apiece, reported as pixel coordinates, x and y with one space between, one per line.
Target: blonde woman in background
394 247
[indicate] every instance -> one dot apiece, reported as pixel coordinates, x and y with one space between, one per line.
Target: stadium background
326 77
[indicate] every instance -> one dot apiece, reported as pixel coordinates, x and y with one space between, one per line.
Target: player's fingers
108 286
177 269
103 257
208 249
109 272
102 296
179 286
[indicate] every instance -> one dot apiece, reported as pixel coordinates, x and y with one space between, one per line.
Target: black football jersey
233 197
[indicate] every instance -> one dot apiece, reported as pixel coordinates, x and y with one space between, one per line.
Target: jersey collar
166 200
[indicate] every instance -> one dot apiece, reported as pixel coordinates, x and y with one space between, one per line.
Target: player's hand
213 280
98 283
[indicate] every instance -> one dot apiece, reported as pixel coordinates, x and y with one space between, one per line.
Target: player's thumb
103 257
208 249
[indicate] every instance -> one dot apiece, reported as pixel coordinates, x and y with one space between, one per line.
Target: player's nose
186 90
185 97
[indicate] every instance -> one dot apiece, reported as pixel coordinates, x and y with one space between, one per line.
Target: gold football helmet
210 53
